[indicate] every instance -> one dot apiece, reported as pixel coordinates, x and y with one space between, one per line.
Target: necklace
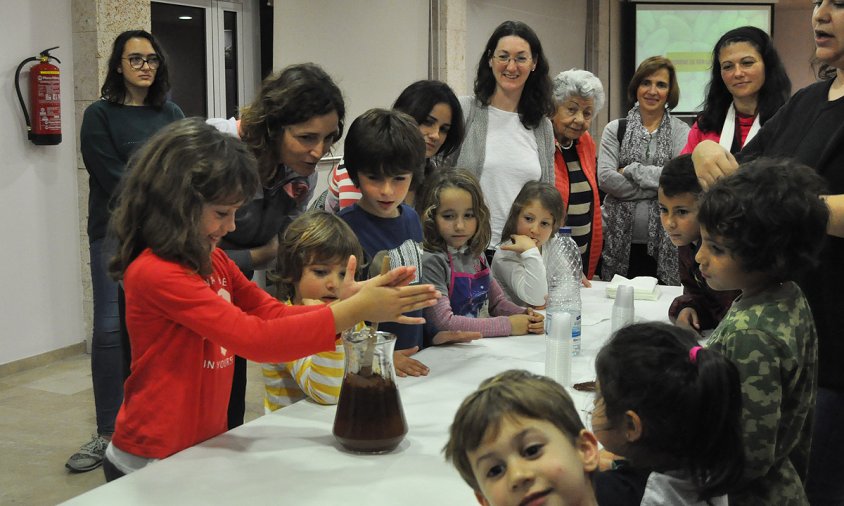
570 144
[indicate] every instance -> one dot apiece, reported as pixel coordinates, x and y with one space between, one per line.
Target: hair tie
693 354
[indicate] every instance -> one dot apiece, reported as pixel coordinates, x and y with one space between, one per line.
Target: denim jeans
106 349
825 483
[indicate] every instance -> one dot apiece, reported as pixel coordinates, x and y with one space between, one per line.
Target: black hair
537 101
772 95
769 215
678 176
689 404
418 99
383 142
114 86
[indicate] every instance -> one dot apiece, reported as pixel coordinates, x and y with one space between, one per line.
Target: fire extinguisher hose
18 89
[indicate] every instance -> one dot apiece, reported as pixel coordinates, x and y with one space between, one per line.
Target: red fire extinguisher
44 98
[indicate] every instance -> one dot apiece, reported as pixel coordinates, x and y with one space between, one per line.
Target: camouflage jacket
772 340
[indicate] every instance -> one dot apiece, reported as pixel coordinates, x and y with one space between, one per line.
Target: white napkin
644 287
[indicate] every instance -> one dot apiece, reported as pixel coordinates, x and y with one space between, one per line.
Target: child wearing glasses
761 228
672 410
518 440
133 106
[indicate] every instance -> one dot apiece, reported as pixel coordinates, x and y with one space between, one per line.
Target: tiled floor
45 415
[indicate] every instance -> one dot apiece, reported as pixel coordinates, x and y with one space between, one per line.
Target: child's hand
537 322
455 336
519 324
312 302
585 281
406 366
520 244
606 459
400 276
688 318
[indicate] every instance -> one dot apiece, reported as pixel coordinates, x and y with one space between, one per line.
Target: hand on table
530 322
406 366
585 281
455 336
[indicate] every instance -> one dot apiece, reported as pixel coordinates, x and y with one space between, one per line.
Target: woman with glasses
133 106
292 123
509 139
630 159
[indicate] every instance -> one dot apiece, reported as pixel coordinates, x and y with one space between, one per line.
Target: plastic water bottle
558 350
564 270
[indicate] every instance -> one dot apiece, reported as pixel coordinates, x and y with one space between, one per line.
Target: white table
290 456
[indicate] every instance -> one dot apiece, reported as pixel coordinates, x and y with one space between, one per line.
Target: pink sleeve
443 318
694 138
499 304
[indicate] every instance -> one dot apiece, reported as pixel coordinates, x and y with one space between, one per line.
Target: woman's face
572 118
511 63
435 128
652 92
143 77
828 25
742 70
302 145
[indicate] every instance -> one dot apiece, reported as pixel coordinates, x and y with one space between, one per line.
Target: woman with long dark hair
132 107
747 87
509 138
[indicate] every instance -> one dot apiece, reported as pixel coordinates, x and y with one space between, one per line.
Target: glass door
204 42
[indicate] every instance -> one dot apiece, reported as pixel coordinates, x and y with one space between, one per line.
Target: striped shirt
579 213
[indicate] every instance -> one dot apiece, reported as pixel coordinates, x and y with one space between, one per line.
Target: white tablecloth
291 457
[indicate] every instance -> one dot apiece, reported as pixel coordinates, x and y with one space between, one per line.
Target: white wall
371 48
795 43
41 300
559 24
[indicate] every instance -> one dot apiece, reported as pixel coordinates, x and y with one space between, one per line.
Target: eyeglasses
137 62
504 59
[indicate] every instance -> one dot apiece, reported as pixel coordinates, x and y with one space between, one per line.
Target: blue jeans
825 483
106 349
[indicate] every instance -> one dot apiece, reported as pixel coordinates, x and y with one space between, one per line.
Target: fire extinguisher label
49 112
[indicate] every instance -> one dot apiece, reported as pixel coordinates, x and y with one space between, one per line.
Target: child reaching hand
456 226
761 228
311 263
518 265
189 309
518 440
672 410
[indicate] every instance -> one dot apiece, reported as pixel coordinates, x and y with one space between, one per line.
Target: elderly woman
578 95
633 151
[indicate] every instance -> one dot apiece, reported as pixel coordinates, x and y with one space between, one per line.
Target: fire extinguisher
44 98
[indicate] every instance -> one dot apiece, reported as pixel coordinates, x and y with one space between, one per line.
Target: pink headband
693 354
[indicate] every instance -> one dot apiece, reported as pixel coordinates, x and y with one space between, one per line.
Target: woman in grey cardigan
509 138
629 166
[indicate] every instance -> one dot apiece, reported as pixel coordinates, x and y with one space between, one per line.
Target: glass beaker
369 417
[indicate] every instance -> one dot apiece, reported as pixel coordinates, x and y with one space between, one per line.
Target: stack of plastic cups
558 346
622 310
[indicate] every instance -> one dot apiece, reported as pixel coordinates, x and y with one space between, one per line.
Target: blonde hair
546 195
314 237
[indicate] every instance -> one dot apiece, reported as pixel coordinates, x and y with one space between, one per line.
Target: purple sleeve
442 317
499 304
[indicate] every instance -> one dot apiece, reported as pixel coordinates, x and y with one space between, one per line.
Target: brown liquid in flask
369 418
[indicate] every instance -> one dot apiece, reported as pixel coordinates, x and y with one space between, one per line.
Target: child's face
678 215
319 281
381 195
435 128
531 461
535 222
455 218
216 221
723 270
302 145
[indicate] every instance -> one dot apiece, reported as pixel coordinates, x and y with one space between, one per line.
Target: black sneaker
90 455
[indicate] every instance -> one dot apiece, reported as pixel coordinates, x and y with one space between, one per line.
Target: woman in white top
509 138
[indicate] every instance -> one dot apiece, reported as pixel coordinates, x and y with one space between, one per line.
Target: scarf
620 214
728 131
